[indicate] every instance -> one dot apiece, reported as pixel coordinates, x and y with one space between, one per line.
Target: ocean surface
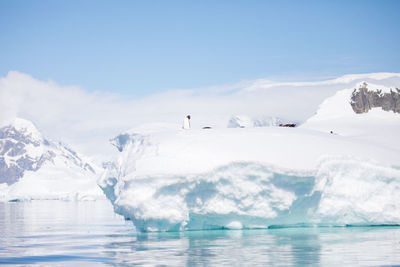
58 233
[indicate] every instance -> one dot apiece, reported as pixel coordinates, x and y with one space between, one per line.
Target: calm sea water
57 233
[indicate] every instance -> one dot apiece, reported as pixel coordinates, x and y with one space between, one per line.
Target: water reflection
89 233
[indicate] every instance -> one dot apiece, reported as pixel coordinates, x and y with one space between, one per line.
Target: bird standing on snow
186 123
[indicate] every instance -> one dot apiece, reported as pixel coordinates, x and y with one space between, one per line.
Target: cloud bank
87 120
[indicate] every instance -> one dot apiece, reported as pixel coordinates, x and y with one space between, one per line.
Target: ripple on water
89 233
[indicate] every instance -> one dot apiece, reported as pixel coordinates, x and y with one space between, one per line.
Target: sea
89 233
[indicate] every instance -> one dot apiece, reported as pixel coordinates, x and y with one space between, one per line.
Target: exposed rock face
363 100
14 159
22 148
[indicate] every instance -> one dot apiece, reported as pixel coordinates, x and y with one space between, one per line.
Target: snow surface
237 178
92 118
242 121
377 126
28 128
64 174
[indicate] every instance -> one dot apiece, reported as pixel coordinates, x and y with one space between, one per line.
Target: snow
235 178
243 121
338 106
177 152
240 121
377 126
52 182
337 168
62 173
93 118
27 127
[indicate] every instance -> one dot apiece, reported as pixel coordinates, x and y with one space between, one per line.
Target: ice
252 178
242 121
340 191
338 168
357 192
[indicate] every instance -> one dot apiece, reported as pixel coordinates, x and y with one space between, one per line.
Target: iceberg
167 179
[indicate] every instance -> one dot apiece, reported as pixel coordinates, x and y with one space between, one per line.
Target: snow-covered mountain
32 167
338 168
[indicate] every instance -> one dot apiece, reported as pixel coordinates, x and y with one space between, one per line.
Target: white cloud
88 120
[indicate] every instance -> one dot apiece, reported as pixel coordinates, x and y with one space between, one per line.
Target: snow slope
170 179
32 167
376 126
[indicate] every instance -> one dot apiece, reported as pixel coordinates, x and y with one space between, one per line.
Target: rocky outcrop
363 100
290 125
13 157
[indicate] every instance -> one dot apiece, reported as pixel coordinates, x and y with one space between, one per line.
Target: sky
139 48
85 71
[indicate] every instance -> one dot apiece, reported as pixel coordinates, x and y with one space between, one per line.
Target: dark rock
5 146
88 168
9 174
12 145
288 125
17 150
363 100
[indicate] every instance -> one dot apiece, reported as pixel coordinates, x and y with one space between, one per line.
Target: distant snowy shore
35 168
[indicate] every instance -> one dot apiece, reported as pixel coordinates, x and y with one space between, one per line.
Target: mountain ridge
24 152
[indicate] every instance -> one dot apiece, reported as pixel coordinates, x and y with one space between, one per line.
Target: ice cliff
322 173
32 167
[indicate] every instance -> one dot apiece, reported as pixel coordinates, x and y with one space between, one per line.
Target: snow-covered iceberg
242 121
170 179
32 167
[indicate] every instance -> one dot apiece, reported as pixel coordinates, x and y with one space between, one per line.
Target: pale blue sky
142 47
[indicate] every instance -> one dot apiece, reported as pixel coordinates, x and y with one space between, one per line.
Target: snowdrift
167 179
376 126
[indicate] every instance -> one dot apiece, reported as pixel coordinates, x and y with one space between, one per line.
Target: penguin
186 123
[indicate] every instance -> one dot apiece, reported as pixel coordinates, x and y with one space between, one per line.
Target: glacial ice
338 168
252 195
251 178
